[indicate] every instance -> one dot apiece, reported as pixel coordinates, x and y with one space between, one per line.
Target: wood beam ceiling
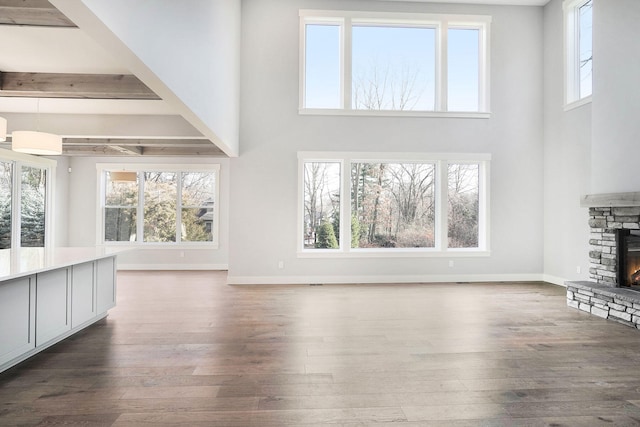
39 13
62 85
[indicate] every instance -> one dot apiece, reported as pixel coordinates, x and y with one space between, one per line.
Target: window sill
576 104
391 113
396 253
161 246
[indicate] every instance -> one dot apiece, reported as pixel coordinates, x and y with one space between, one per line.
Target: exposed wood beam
135 147
39 13
61 85
138 142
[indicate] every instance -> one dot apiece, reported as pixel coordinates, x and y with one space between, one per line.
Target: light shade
3 129
26 141
121 176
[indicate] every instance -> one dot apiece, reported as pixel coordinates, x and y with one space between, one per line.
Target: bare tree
412 189
382 87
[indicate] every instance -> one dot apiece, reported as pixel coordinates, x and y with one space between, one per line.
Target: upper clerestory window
578 15
394 64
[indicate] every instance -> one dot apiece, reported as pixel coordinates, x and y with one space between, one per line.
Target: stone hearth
618 304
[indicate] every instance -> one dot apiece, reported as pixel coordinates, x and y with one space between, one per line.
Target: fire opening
628 258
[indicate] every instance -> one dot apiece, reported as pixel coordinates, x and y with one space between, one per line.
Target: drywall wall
616 96
264 184
567 164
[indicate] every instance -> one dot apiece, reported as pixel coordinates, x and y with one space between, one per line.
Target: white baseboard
554 280
185 267
306 280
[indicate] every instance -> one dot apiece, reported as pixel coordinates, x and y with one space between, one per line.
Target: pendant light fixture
123 176
36 142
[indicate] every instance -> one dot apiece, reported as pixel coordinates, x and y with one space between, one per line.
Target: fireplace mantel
610 200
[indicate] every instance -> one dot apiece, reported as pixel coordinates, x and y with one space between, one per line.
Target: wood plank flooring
184 348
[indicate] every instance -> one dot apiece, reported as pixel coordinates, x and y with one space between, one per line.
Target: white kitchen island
46 295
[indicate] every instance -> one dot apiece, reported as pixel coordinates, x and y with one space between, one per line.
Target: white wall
61 202
82 217
616 96
567 164
263 179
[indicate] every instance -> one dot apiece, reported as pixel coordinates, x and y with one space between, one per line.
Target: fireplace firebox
628 258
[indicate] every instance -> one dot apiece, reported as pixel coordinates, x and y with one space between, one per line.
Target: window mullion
179 208
442 67
483 234
345 206
483 72
16 207
140 216
442 204
346 63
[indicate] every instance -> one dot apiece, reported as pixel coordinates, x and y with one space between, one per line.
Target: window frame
572 95
102 168
441 23
441 161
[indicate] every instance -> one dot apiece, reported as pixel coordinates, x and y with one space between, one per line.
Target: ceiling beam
135 147
86 86
139 142
39 13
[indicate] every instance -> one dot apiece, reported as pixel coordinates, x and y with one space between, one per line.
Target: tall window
578 50
368 63
409 203
164 206
25 195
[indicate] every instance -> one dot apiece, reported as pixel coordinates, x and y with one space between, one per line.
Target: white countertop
15 263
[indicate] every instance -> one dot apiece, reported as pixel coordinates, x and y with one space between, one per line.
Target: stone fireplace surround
603 297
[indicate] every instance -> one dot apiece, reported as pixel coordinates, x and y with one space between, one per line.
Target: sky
388 57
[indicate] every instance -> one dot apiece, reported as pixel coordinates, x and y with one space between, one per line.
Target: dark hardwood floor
183 348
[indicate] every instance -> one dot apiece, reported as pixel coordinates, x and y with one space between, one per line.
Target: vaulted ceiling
54 78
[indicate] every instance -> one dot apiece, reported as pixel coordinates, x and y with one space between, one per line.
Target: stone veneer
619 304
603 222
604 298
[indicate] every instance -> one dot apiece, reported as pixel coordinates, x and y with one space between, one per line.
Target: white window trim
19 160
441 160
572 97
101 168
441 23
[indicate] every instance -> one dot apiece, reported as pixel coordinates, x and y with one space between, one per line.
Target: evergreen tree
326 237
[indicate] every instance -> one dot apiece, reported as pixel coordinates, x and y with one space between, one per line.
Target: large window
578 50
25 199
401 204
384 63
159 204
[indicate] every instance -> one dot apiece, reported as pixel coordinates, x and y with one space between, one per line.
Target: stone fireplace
614 260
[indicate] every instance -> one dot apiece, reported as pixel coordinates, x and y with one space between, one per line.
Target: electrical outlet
578 270
451 263
280 265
